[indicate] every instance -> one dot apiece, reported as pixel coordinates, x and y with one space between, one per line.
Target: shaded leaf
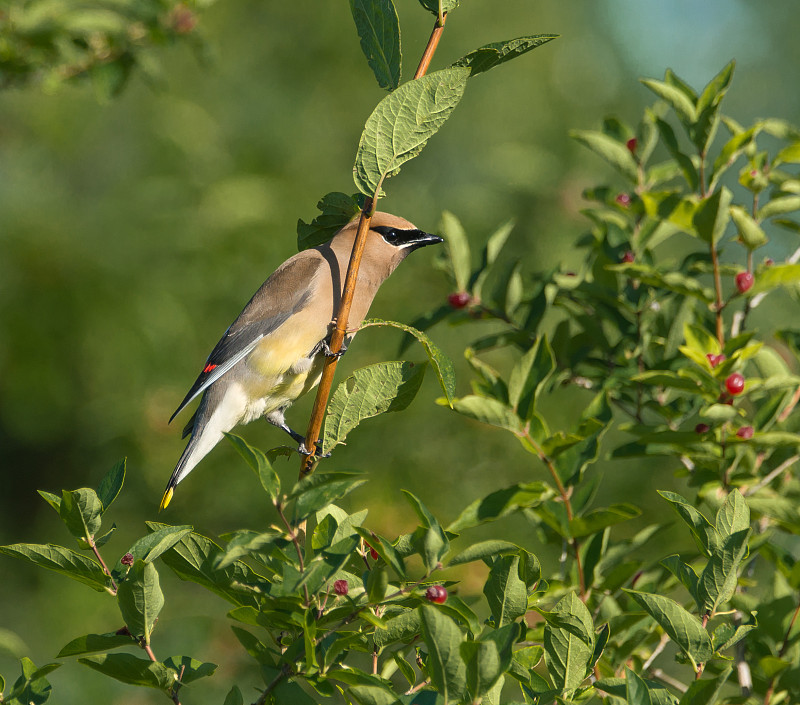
61 560
111 484
379 32
337 210
132 670
259 464
491 55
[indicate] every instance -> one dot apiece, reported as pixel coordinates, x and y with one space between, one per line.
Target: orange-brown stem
430 49
342 315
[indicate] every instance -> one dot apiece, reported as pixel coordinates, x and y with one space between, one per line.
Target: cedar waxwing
274 351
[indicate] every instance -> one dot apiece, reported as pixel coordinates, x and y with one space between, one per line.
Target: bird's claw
327 352
317 450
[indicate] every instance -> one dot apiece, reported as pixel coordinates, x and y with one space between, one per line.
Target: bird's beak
418 238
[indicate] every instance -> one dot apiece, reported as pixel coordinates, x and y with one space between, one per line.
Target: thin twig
567 506
417 687
430 49
785 465
781 652
96 552
293 536
285 671
669 680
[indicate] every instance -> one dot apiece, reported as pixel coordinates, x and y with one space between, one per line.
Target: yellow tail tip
166 499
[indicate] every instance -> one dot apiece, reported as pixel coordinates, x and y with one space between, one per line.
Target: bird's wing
280 297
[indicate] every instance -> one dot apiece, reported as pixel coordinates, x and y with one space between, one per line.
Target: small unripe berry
744 280
714 360
628 257
623 199
745 433
702 428
127 559
459 299
631 145
436 594
734 383
341 587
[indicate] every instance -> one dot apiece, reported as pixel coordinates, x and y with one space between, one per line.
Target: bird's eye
390 235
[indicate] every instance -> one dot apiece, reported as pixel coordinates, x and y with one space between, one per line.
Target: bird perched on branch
273 352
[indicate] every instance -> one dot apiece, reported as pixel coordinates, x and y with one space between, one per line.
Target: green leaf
568 656
719 578
706 691
445 5
316 491
336 210
599 519
617 687
671 143
402 123
682 627
489 411
403 627
132 670
778 206
194 558
140 599
442 365
491 55
703 530
712 216
457 248
528 377
150 547
636 691
61 560
609 149
685 573
482 550
703 130
32 687
111 484
368 392
377 582
733 516
677 98
750 231
259 464
91 643
774 276
505 592
190 669
234 697
53 500
245 543
443 639
379 31
488 659
81 510
501 503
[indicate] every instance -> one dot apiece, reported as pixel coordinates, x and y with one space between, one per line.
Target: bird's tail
207 429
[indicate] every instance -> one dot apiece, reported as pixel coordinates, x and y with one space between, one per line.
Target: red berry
628 256
744 280
745 433
769 262
623 200
341 587
437 594
702 428
127 559
459 299
734 383
714 360
631 145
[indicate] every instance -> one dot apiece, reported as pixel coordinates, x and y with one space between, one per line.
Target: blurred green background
132 232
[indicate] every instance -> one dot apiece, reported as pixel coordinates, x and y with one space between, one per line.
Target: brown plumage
273 352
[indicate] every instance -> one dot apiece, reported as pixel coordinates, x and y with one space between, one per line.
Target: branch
337 337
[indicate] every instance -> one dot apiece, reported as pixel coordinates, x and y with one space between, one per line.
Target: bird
273 352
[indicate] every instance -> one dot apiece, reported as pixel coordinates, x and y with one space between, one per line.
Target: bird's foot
317 449
326 350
